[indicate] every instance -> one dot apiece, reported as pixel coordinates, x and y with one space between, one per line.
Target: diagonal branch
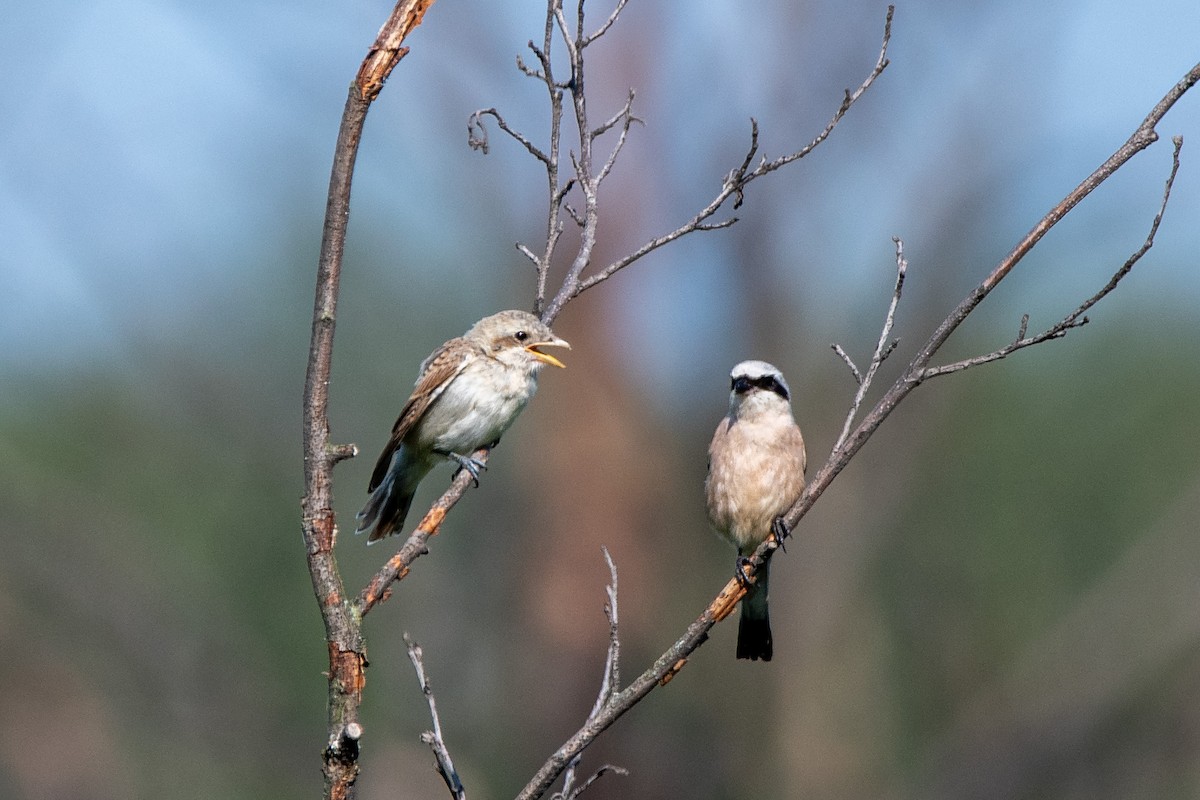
608 23
626 119
675 658
587 180
1076 318
915 374
396 567
733 186
477 137
849 99
659 674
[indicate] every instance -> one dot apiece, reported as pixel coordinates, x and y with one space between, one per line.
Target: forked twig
1076 318
586 180
433 738
883 348
609 684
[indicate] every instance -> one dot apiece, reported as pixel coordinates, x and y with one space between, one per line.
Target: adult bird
756 466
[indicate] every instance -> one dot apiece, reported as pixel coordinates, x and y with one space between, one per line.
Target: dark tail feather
754 637
385 510
754 625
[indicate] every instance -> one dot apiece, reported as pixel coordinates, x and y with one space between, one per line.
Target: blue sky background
157 159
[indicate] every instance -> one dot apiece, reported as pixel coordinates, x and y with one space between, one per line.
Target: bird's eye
773 384
520 336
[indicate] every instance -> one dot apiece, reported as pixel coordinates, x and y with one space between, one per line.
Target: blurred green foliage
155 599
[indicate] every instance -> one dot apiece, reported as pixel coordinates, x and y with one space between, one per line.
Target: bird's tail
388 505
754 626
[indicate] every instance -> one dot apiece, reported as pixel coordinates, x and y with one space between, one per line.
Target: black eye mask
768 383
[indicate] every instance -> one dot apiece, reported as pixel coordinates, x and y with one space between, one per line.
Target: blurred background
998 599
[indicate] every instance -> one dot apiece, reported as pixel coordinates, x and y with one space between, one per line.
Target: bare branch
913 376
341 452
624 115
609 684
612 664
396 568
734 185
659 673
388 48
588 180
882 349
575 216
626 118
433 738
528 70
532 256
1076 318
343 628
597 775
479 141
735 180
716 226
608 23
837 348
849 99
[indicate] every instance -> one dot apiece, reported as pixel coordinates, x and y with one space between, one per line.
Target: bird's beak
546 358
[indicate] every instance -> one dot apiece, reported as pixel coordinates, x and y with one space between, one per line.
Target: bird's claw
739 572
471 465
780 530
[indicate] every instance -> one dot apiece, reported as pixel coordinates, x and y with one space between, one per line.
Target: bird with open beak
469 391
756 466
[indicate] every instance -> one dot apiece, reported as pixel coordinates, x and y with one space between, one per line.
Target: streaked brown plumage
470 390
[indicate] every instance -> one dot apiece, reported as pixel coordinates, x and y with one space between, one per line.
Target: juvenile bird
756 468
469 391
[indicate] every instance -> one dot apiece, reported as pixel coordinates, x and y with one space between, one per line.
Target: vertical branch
575 44
882 350
610 684
433 738
343 627
553 220
343 633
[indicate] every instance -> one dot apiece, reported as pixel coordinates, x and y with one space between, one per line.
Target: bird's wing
437 372
717 439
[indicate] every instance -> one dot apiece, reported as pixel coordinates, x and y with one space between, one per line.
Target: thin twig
477 137
597 775
626 118
610 683
837 348
608 23
433 738
1076 318
1140 139
882 349
733 186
